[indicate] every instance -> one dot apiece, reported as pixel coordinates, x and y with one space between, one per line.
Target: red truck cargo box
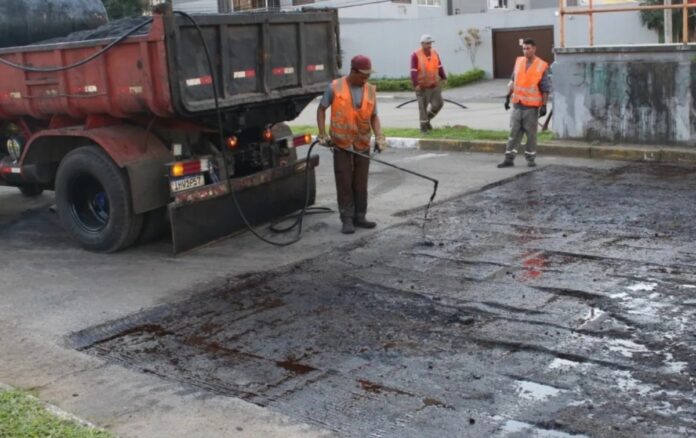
261 60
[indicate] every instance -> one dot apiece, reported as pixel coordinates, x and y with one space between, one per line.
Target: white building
389 30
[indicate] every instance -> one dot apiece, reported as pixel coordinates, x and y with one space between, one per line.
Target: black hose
81 62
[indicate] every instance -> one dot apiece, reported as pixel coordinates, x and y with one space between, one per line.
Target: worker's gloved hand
542 111
323 140
507 102
380 143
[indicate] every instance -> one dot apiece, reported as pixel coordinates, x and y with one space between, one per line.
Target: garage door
506 47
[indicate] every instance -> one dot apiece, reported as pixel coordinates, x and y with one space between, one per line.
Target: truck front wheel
94 202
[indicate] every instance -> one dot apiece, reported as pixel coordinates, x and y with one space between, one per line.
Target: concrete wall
196 6
387 10
539 4
638 94
469 6
390 43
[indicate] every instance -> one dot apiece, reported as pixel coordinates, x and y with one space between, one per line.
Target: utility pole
668 22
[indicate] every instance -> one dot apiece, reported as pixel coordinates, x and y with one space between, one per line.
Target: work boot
424 128
347 227
531 163
361 222
506 163
428 126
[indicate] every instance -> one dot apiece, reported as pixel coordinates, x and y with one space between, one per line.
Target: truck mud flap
201 222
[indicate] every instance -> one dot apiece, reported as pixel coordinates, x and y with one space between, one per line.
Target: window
428 2
408 2
497 4
520 7
250 5
302 2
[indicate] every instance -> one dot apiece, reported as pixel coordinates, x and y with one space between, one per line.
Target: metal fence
590 10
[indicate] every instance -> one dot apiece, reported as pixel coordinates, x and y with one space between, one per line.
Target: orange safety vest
351 126
526 90
428 68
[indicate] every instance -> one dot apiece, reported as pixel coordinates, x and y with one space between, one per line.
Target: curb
623 153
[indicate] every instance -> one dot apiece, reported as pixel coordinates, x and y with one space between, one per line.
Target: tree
655 20
125 8
471 40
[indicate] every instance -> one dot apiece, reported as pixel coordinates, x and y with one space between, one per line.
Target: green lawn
457 132
22 416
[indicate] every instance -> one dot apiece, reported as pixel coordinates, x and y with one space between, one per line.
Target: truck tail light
232 142
183 168
301 140
267 135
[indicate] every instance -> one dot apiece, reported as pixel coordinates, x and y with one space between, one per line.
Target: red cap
362 64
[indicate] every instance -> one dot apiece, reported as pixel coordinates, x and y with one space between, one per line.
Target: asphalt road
556 303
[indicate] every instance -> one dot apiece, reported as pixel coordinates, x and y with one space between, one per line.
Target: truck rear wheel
94 202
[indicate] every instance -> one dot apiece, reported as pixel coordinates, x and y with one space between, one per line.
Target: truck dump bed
268 67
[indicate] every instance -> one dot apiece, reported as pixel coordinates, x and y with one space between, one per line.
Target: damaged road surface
559 303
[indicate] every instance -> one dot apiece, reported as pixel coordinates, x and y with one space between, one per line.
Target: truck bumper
207 214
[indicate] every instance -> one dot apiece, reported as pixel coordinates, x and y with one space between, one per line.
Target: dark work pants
351 183
522 121
429 103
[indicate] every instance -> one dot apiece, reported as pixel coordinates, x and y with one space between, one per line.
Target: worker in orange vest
529 88
354 117
426 76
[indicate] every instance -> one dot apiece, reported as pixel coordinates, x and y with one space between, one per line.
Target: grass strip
456 132
23 416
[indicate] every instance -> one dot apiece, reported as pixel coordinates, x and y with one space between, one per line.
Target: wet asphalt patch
562 303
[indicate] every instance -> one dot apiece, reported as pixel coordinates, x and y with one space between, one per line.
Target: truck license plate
186 183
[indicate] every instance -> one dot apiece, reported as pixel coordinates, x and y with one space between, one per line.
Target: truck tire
31 190
94 202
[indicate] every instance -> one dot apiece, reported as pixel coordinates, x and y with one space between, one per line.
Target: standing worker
529 88
426 74
353 105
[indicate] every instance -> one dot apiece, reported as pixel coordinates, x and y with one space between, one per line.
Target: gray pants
432 98
522 121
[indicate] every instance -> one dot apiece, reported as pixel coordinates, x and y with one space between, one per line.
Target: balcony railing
590 10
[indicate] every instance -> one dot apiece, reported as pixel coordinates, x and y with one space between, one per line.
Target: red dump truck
137 135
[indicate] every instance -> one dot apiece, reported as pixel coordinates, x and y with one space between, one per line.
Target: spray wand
420 175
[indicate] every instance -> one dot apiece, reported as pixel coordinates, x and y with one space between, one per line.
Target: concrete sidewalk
484 101
483 91
558 148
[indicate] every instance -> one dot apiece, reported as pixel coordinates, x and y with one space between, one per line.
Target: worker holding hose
354 117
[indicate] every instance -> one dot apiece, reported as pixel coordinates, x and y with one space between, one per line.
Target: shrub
455 80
